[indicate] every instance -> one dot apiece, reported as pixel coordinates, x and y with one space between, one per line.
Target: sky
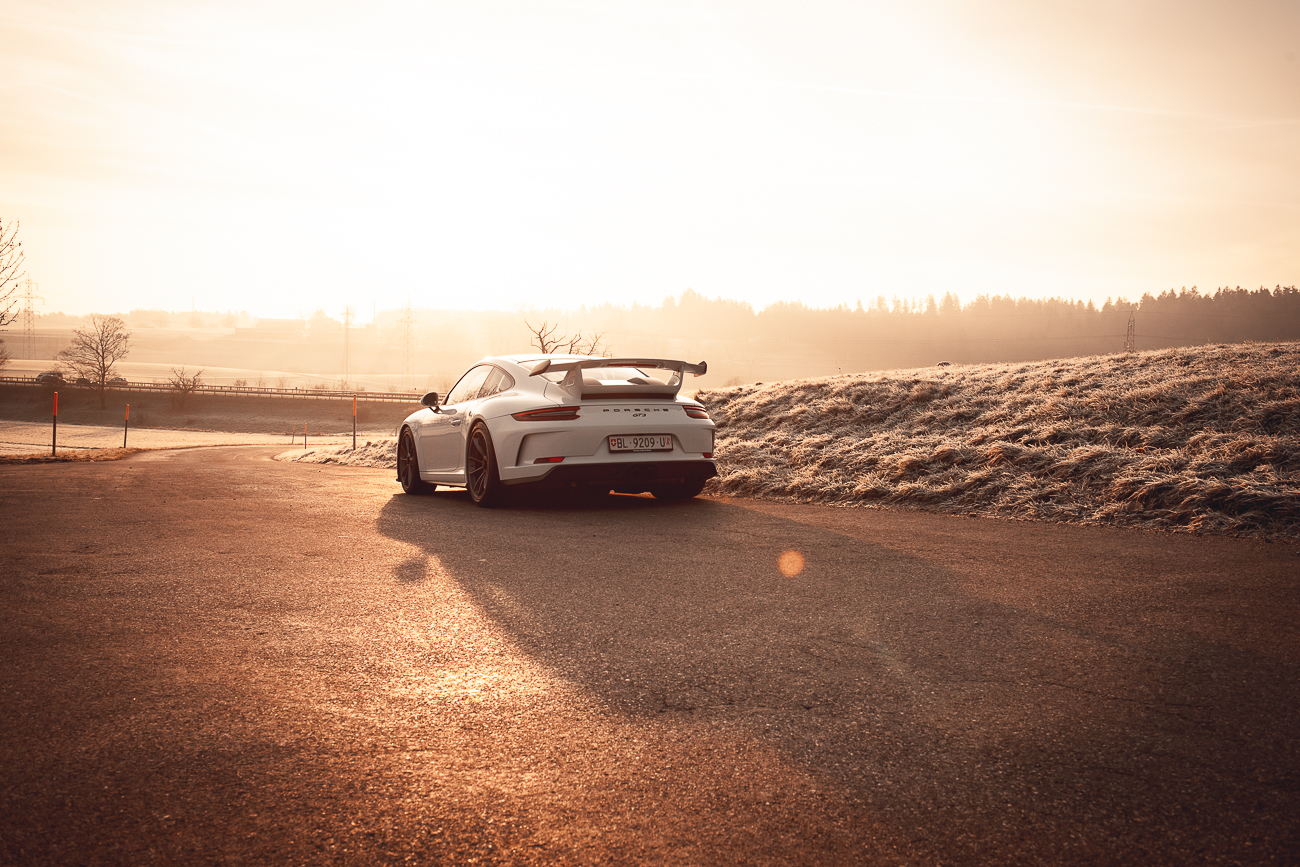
284 157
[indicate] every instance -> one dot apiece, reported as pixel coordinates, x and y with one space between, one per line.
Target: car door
442 437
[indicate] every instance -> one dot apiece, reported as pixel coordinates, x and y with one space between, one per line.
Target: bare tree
543 336
183 385
11 263
545 339
593 345
96 350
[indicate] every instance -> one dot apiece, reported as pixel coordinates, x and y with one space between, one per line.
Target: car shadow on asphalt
880 671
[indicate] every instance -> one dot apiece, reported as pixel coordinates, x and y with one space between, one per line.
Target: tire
678 490
482 478
408 466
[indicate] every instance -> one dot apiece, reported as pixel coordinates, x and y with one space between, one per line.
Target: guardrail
235 390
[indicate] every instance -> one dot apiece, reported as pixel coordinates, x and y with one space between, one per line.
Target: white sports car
561 421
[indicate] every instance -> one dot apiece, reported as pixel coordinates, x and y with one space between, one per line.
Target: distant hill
1205 439
786 340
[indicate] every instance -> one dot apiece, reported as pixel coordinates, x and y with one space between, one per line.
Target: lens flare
790 563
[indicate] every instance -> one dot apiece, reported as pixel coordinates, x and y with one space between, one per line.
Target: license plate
641 443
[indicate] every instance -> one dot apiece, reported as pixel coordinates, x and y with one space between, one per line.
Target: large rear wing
574 382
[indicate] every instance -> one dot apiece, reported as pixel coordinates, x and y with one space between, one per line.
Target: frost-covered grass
380 452
1203 439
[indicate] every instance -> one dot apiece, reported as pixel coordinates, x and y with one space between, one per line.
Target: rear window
498 381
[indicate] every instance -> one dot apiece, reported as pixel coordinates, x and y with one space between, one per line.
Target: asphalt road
210 657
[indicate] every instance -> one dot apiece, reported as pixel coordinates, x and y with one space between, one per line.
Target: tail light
696 411
549 460
550 413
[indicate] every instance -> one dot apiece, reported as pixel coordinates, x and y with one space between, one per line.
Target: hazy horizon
739 343
511 155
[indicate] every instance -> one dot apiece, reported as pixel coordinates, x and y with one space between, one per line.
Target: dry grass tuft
70 456
1202 439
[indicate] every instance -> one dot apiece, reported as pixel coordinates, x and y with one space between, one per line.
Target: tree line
791 339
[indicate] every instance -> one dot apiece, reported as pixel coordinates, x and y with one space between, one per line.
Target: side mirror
430 400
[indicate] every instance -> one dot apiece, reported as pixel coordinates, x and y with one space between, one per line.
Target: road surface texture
210 657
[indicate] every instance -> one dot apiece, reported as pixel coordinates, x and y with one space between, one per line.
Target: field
1202 439
215 412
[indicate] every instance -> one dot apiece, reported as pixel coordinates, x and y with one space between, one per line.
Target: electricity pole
1130 340
29 317
408 344
347 325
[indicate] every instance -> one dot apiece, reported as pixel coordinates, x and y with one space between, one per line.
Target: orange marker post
54 443
125 424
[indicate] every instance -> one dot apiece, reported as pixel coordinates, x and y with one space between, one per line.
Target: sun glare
790 563
498 154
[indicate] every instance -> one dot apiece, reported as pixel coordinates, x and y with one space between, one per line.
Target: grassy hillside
1204 439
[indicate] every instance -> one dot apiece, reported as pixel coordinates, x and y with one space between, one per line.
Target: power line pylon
408 344
1130 340
347 325
29 316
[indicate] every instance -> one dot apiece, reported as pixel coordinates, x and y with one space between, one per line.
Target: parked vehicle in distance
555 422
50 377
117 380
81 380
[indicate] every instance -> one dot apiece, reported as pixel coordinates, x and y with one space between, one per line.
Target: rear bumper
626 477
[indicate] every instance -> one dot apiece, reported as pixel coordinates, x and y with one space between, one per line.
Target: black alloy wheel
408 466
484 481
